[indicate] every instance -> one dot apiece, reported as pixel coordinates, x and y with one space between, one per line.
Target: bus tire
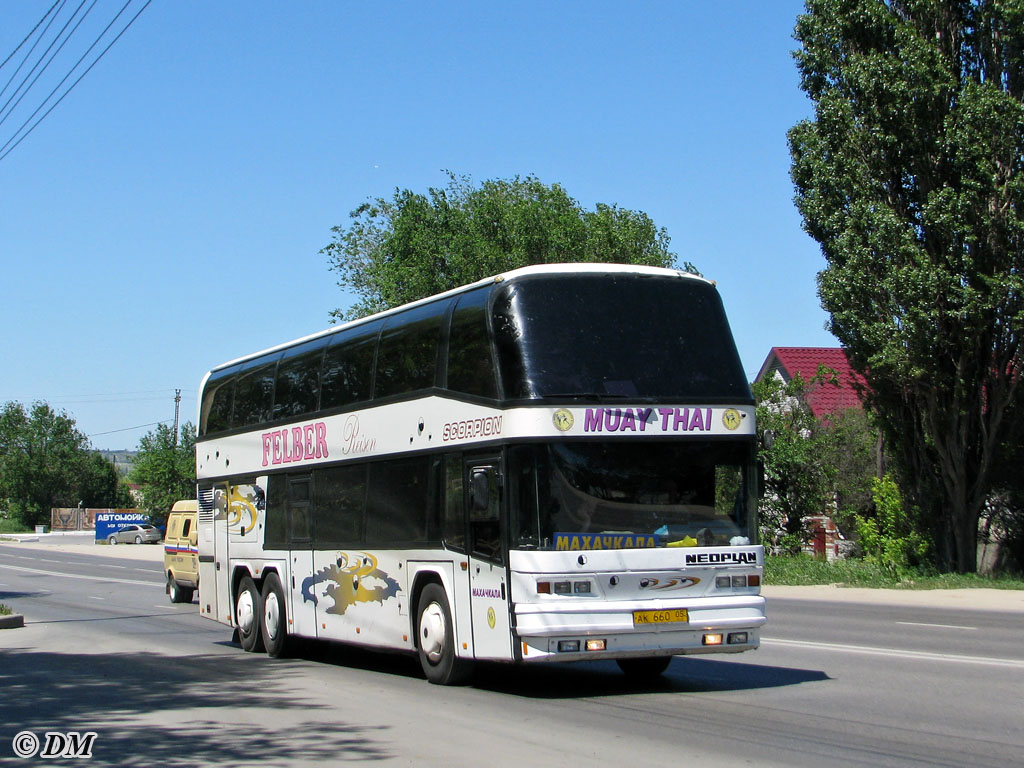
644 668
248 607
435 639
274 617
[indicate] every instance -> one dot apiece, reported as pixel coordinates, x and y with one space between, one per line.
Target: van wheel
247 615
435 639
274 623
646 668
178 593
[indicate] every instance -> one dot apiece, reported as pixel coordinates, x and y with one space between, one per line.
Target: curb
12 621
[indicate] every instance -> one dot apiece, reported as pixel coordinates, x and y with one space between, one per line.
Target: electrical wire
11 147
129 429
37 42
18 48
3 118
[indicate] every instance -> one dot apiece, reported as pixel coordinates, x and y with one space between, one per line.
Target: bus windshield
620 337
647 494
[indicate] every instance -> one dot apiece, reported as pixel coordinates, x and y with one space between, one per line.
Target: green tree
46 462
798 462
165 469
414 245
909 177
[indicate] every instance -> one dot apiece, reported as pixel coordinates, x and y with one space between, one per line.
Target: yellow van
181 552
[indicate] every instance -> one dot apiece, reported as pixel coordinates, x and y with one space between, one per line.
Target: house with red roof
824 398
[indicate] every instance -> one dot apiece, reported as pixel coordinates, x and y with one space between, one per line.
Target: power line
18 48
48 61
129 429
37 42
13 146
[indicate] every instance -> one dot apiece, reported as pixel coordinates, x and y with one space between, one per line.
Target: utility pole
177 401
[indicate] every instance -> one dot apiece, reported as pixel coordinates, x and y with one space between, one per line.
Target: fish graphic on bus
353 578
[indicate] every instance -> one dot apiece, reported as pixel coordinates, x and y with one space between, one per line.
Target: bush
888 540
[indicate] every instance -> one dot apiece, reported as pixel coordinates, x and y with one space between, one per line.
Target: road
835 684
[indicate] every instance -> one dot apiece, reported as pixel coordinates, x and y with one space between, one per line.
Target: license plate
675 616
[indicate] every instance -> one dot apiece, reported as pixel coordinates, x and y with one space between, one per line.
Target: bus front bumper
577 632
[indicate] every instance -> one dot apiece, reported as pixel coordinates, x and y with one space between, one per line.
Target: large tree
910 178
46 462
415 245
165 469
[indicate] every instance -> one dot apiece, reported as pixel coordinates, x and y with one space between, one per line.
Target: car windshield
632 494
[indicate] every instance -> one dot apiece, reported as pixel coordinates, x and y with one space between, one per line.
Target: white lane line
936 626
93 597
160 584
900 653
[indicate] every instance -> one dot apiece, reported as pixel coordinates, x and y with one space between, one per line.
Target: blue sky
168 214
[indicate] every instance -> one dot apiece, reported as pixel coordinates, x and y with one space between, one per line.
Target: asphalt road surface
835 683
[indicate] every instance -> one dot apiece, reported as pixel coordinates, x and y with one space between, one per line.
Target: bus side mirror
479 490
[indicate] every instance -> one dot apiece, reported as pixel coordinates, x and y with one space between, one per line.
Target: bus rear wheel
274 622
645 668
436 639
247 616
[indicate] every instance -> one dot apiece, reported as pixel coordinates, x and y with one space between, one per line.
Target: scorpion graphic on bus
241 507
354 578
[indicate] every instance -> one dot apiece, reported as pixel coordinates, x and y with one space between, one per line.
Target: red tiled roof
826 398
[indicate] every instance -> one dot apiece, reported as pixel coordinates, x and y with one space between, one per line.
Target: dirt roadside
1005 600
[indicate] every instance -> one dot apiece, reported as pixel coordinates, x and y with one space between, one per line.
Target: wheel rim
246 611
271 615
433 632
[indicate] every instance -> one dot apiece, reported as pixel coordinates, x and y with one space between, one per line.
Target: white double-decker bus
554 464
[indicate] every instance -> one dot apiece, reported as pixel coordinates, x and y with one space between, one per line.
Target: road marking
937 626
47 560
160 584
93 597
900 653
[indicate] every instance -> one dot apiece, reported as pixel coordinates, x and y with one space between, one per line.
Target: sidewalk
1006 600
82 543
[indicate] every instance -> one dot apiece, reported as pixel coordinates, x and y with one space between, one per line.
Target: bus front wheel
274 623
436 639
247 615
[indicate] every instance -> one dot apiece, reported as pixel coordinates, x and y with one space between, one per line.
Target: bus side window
470 360
276 532
485 512
407 352
254 396
339 500
453 525
347 373
299 509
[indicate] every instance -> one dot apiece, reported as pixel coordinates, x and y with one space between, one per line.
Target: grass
804 571
4 610
13 526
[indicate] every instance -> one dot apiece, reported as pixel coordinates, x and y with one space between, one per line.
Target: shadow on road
151 710
583 679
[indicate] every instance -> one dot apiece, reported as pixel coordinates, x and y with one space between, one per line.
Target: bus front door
492 638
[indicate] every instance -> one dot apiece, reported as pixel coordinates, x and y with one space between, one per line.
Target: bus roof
537 269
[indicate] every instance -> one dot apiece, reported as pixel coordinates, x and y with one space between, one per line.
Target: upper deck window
616 336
